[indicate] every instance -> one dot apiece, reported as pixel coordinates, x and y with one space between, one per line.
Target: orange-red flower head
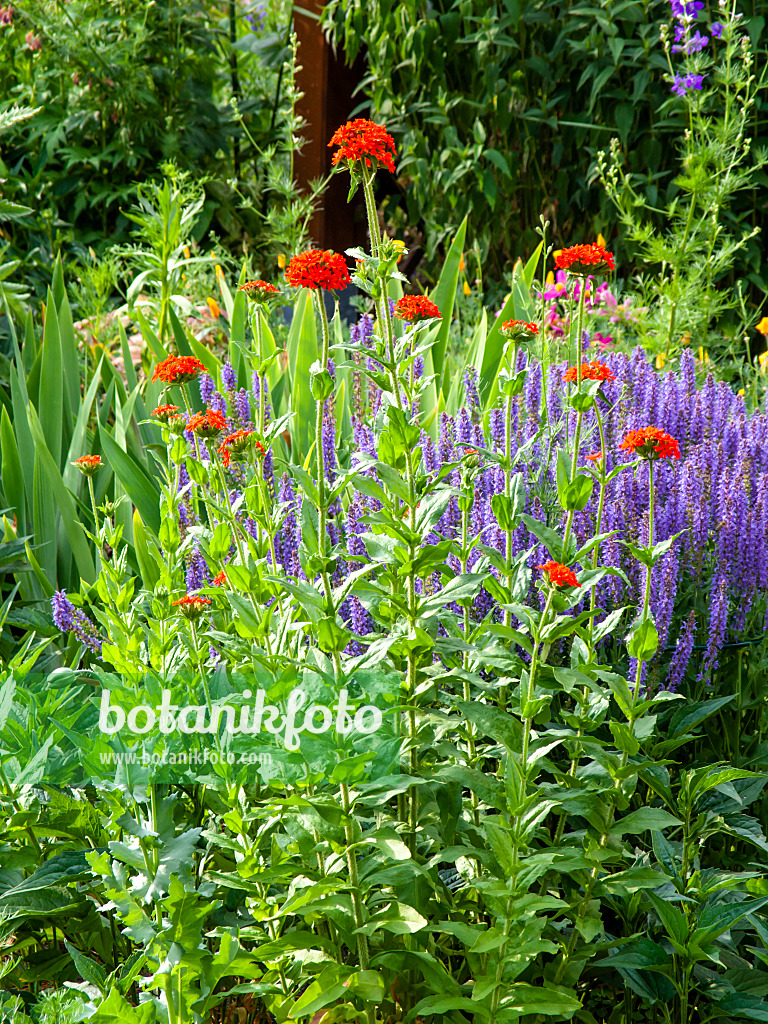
590 371
362 140
178 369
192 606
559 575
416 307
259 291
318 268
220 579
583 260
651 443
207 424
89 465
519 330
237 446
164 412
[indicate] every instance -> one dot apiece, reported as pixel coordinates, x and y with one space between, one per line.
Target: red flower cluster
590 371
177 369
192 605
220 579
258 291
519 330
595 457
237 444
207 424
651 443
164 412
559 575
318 268
584 260
364 140
89 465
416 307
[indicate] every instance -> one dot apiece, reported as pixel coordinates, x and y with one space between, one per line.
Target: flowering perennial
178 369
559 575
585 259
651 443
519 330
207 424
589 371
164 412
416 307
363 140
89 465
259 291
318 268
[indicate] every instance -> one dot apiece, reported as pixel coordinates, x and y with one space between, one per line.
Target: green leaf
654 818
444 295
64 503
551 539
149 565
643 639
116 1009
50 403
10 471
302 348
140 487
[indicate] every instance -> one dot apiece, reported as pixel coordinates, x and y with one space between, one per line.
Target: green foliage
499 110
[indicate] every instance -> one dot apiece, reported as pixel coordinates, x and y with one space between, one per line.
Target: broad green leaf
64 504
654 818
444 295
139 485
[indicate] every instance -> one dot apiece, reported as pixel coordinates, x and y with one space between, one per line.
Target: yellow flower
551 277
467 289
763 325
556 253
214 307
600 240
660 360
740 392
762 360
461 262
281 261
219 271
703 355
187 253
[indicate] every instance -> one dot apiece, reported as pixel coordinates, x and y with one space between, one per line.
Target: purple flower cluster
717 492
689 40
69 619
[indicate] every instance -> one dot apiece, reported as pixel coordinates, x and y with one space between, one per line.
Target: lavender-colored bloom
716 30
682 655
63 611
256 17
242 408
692 45
362 332
256 383
682 84
67 618
198 573
471 394
207 388
228 378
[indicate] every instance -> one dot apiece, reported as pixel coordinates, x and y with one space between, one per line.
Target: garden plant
348 674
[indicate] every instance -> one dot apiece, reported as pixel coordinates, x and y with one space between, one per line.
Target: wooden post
327 84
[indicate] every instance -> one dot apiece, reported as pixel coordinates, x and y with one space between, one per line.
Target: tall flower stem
385 318
504 690
531 687
647 594
322 510
469 501
357 904
579 356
